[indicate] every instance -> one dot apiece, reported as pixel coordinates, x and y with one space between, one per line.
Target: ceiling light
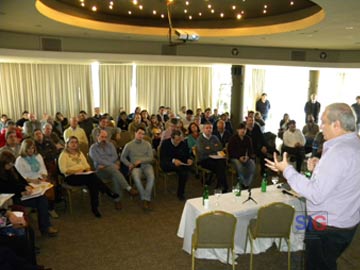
110 7
187 3
94 8
111 3
238 16
209 6
162 16
349 28
291 3
264 11
83 4
135 2
190 17
265 6
200 14
141 7
185 10
154 12
129 12
233 7
222 15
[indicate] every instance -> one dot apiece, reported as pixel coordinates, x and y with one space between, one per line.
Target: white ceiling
340 30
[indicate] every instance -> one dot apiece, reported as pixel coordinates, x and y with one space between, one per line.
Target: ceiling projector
186 35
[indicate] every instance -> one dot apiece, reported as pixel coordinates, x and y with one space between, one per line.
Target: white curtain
115 85
45 88
173 86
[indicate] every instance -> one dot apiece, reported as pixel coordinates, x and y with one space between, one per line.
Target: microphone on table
288 193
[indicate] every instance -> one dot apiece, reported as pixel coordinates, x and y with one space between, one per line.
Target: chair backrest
215 230
125 138
274 220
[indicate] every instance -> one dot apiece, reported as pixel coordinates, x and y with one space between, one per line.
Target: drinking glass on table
275 180
217 193
236 191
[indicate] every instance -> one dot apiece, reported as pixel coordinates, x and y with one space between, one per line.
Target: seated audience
258 140
47 149
131 116
52 136
294 142
145 119
135 124
207 117
175 156
310 130
228 126
23 119
12 143
31 125
138 157
79 133
12 182
222 134
317 146
188 119
77 171
61 121
283 125
241 154
182 112
17 247
86 123
97 115
103 125
4 118
10 126
193 135
122 121
260 121
208 145
172 125
107 166
215 116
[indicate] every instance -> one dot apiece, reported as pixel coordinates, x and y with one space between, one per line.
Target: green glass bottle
206 197
308 174
263 183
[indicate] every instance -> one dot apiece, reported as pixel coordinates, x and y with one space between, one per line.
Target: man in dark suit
175 157
312 107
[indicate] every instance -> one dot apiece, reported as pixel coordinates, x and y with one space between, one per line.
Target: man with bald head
107 165
333 192
222 134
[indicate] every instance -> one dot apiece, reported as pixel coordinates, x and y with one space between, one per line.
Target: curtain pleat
115 84
173 86
45 88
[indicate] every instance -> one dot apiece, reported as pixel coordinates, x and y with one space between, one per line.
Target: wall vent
51 44
298 56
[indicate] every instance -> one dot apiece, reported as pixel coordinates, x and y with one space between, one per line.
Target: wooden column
237 95
313 82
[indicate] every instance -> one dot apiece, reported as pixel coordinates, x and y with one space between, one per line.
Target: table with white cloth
244 212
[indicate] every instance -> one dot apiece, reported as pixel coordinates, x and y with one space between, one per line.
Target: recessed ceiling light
94 8
212 11
135 2
154 12
141 7
200 14
265 6
233 7
83 4
264 11
110 7
291 3
222 15
185 10
190 17
162 16
238 16
187 3
209 6
129 12
349 27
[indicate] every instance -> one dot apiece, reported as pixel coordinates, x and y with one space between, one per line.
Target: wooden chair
273 221
160 171
199 169
214 230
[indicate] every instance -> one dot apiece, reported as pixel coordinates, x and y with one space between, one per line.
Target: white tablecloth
243 212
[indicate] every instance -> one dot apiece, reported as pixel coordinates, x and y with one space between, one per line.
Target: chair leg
251 253
289 254
233 258
193 259
227 257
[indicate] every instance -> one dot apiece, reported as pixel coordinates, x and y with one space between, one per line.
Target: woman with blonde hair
77 171
30 164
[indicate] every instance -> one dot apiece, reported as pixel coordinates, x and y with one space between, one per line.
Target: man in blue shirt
333 189
107 165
